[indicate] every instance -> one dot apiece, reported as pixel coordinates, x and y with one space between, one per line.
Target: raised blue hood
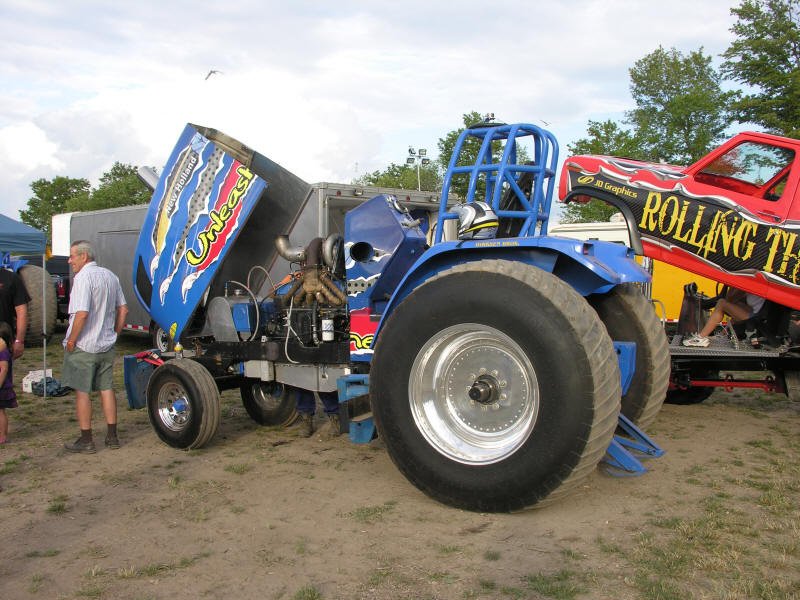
214 214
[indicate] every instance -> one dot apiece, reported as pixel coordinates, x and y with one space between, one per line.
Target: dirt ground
262 513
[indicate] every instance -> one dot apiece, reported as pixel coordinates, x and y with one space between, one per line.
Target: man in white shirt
97 311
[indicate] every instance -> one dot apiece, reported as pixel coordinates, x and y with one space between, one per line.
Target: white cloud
25 146
316 86
26 150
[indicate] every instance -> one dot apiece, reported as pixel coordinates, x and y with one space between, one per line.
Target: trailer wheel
161 338
692 395
791 380
41 315
495 386
183 404
629 317
269 402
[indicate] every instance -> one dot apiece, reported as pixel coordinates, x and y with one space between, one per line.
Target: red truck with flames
734 217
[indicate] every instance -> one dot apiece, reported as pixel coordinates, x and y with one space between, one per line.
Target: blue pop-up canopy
20 238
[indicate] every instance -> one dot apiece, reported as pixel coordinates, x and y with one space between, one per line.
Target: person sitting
739 305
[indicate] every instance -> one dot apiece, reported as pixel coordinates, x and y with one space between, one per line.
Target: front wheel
183 404
161 339
495 386
268 402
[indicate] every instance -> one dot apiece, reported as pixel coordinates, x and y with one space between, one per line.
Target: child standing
8 398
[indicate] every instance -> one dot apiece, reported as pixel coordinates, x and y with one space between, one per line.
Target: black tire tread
607 407
209 395
646 395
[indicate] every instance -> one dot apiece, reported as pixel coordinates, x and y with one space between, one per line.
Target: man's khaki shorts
87 372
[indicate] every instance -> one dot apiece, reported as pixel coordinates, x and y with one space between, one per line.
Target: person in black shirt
14 300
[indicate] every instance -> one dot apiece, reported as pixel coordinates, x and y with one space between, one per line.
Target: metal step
723 346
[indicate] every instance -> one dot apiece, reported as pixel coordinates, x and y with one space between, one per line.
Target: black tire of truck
791 382
630 317
496 329
269 402
161 339
692 395
41 312
183 404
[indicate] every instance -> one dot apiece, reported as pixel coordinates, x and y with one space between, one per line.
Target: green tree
681 111
118 186
605 138
593 211
766 57
50 198
403 177
608 138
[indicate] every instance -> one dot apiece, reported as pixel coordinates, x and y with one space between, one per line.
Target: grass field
261 513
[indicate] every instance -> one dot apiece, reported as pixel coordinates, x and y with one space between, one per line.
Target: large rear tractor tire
41 314
269 402
495 386
183 404
629 317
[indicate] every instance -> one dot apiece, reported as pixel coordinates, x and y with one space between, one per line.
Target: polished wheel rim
162 340
174 408
268 396
474 394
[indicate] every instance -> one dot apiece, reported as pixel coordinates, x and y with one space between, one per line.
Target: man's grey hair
84 247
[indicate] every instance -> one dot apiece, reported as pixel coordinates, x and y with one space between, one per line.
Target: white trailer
114 233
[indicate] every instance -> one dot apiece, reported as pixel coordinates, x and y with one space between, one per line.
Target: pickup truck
733 217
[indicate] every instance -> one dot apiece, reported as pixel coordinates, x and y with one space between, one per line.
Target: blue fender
590 267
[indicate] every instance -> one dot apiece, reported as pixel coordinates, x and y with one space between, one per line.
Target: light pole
417 157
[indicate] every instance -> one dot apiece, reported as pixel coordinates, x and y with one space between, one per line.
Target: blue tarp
17 237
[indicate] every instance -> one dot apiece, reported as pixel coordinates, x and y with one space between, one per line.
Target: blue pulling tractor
484 351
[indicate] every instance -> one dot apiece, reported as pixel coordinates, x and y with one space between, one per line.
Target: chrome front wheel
183 403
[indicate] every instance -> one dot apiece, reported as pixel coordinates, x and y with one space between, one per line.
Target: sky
330 90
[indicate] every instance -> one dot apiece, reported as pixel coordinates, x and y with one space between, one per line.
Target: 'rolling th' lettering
786 241
725 233
219 218
668 218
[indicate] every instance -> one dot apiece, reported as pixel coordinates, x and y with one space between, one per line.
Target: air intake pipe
291 253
